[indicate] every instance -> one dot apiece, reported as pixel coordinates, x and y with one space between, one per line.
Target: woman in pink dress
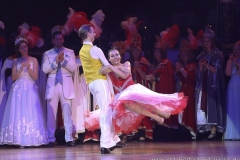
132 102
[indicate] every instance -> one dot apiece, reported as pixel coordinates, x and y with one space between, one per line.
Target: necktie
59 71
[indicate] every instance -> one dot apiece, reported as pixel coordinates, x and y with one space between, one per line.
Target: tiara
20 39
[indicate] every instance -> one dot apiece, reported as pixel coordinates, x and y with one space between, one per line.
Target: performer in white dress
5 84
23 121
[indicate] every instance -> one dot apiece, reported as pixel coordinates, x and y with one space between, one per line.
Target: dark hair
17 48
113 49
163 52
212 46
189 53
135 48
83 31
56 33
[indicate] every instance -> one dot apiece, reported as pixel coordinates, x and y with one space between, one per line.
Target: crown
19 39
209 33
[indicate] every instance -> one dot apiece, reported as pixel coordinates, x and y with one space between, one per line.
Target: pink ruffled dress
126 121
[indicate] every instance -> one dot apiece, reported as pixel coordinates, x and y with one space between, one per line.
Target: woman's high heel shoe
212 137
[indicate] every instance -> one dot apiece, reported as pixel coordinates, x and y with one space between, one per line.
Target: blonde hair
84 30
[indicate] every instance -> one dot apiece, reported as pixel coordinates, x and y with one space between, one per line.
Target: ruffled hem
126 121
24 145
92 120
207 127
129 134
172 106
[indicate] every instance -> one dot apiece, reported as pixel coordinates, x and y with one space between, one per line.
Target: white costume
5 86
63 92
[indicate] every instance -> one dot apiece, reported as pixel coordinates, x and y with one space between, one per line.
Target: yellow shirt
90 65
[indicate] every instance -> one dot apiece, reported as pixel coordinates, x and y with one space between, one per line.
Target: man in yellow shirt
93 60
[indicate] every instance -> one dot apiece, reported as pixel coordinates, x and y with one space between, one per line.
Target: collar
58 50
191 66
90 43
165 61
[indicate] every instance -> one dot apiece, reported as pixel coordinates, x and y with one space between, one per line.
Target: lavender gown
23 121
233 106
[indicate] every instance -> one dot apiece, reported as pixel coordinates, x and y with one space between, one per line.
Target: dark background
156 14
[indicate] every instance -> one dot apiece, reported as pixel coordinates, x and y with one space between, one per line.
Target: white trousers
101 93
52 107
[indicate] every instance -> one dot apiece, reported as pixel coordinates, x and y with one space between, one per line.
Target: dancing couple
132 101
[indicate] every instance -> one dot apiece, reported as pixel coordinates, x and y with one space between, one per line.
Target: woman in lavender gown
210 88
233 101
23 121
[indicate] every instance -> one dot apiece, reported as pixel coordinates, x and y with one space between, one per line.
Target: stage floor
218 150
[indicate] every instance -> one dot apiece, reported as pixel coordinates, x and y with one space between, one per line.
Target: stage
133 151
